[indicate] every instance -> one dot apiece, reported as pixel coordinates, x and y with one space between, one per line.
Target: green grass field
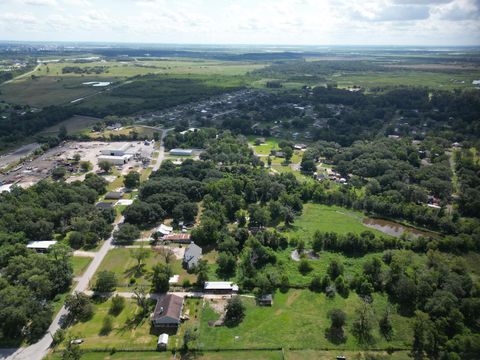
119 261
74 125
433 79
52 87
80 264
328 218
48 90
127 332
298 319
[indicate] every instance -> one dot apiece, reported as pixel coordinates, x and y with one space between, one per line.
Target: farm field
119 261
435 80
298 319
49 86
48 90
74 125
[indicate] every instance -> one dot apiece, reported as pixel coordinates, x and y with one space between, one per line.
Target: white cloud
246 21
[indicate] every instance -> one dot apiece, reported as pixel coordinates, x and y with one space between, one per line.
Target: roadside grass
120 261
80 264
299 319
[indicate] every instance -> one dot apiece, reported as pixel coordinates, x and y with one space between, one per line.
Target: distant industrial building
115 160
181 152
116 151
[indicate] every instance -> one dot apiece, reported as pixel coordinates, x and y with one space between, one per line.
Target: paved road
161 150
40 349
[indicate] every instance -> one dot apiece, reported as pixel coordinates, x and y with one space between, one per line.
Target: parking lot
32 171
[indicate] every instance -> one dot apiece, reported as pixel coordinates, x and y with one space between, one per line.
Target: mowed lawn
299 319
328 218
80 264
120 261
127 332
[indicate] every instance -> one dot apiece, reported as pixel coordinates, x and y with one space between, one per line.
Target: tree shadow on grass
135 271
335 335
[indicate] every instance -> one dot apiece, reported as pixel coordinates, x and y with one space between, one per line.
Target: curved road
40 349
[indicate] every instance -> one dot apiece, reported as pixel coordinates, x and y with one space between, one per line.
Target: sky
282 22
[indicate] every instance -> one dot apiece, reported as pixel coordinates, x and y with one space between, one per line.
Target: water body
392 228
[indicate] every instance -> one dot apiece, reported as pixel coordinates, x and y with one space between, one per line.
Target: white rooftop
163 339
164 229
41 244
220 285
7 187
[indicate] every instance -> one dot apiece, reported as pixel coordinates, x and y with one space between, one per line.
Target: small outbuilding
220 287
164 229
162 342
41 246
183 238
265 300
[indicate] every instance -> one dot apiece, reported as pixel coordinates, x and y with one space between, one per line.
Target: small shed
265 300
162 342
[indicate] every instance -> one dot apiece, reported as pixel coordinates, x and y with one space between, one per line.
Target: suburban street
40 349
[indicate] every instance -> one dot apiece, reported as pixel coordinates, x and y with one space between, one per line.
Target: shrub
118 303
304 267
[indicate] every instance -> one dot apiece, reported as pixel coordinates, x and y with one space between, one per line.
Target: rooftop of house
169 306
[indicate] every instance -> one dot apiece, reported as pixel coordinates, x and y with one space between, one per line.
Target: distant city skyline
237 22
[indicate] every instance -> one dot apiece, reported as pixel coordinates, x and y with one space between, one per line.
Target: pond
392 228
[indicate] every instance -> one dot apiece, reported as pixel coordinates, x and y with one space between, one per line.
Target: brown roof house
168 312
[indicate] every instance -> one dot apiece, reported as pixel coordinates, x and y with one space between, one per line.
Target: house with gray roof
193 253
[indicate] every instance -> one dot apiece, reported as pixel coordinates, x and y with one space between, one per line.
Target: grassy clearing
143 132
80 264
434 80
329 355
265 148
328 218
120 261
75 124
298 319
353 265
48 90
128 330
